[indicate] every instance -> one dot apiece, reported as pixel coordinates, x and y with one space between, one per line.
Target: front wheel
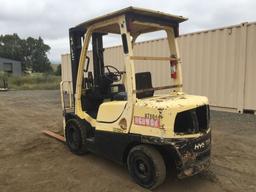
146 166
76 135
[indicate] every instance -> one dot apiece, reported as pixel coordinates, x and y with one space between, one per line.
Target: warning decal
150 122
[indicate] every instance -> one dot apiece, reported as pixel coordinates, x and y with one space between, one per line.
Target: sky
51 19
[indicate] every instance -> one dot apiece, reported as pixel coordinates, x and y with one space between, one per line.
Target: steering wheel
113 75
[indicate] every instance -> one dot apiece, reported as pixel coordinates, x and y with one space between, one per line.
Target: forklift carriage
117 114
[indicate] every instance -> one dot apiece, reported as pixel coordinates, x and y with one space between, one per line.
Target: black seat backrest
144 81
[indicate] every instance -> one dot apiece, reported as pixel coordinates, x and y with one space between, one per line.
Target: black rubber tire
146 166
76 135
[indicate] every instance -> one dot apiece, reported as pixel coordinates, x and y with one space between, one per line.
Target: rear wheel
76 135
146 166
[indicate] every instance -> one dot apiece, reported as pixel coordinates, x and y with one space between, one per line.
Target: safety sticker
144 121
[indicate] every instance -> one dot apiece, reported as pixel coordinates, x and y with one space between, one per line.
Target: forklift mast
76 38
98 60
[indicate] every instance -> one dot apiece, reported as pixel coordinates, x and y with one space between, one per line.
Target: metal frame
129 68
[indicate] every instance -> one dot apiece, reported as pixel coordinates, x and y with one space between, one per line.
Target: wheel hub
142 167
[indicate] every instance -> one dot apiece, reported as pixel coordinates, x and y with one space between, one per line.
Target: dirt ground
30 161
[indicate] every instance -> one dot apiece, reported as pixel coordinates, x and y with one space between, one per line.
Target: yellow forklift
117 113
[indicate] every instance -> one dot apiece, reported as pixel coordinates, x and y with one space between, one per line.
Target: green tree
58 70
31 52
36 57
11 47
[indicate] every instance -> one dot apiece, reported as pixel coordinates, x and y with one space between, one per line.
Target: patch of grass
35 81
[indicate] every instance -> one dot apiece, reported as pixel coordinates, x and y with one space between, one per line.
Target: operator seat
144 81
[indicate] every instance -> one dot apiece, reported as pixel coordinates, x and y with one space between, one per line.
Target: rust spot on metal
188 156
160 110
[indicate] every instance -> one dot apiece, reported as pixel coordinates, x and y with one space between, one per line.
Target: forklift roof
135 14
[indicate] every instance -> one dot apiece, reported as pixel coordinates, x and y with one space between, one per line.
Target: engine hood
178 100
155 116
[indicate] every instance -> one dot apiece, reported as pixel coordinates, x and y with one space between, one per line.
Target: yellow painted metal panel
111 111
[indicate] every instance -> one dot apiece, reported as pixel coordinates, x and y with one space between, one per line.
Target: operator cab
102 81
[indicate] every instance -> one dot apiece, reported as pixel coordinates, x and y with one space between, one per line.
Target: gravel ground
30 161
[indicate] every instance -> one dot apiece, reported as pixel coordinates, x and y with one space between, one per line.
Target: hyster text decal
145 121
199 146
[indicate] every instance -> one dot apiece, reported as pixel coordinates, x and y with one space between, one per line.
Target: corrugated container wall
250 72
218 63
210 65
66 74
